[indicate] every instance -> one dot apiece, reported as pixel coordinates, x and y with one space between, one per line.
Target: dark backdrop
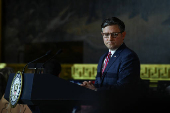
26 23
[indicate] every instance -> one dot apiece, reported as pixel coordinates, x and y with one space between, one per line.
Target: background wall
35 22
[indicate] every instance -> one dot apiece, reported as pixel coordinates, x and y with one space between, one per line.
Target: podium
46 90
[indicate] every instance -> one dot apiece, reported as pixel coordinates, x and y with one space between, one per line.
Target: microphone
48 52
58 52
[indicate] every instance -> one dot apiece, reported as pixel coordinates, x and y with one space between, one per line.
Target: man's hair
114 21
52 67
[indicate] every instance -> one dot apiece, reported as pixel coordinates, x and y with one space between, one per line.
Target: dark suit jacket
119 81
122 71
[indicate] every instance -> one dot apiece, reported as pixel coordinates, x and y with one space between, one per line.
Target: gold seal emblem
16 88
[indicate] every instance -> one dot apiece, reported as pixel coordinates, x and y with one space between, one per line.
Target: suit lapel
115 56
101 63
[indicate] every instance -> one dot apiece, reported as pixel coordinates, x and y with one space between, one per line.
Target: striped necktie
106 61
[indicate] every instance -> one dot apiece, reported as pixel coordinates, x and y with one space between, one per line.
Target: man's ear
123 34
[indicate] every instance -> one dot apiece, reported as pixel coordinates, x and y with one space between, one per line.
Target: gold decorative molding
84 71
2 65
66 71
155 71
152 72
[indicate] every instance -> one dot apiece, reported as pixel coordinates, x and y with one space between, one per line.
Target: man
123 68
119 68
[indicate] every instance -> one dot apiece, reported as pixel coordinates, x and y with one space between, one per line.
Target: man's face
114 40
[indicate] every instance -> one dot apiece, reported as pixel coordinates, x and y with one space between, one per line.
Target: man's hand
88 85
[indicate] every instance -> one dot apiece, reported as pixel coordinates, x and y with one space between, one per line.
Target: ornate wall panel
152 72
84 71
155 71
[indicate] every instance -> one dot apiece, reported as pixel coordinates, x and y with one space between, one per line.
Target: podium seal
16 88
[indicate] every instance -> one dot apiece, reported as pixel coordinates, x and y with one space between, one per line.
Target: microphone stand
58 52
35 60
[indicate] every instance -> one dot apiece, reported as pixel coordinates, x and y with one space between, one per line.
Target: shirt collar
112 51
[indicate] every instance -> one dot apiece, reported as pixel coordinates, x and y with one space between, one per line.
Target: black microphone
48 52
58 52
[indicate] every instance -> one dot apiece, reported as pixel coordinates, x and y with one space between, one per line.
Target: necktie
106 61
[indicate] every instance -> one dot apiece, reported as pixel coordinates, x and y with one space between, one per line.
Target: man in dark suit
118 69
